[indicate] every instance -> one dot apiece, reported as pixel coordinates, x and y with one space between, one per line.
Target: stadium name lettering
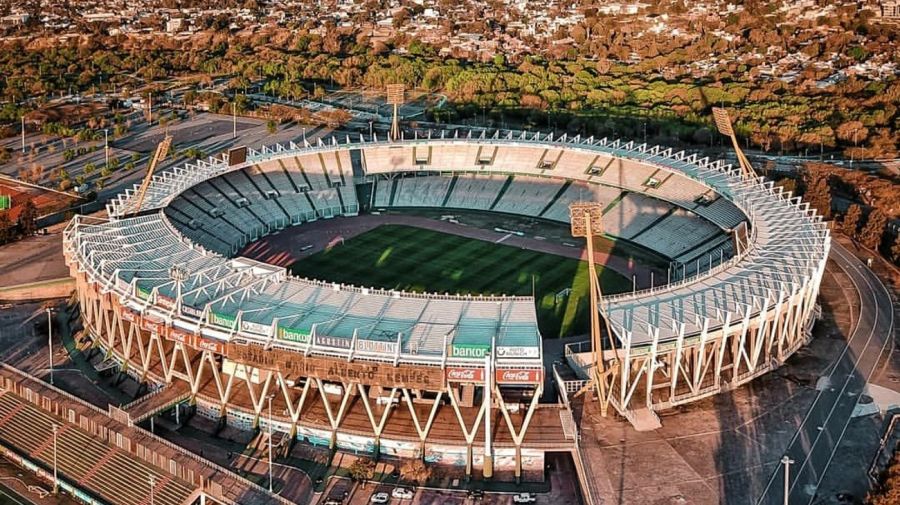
329 369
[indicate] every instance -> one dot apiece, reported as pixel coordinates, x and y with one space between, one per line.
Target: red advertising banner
457 374
210 345
182 336
165 301
518 376
128 315
148 324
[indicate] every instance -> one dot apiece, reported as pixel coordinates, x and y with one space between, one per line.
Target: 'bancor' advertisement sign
223 320
293 335
469 350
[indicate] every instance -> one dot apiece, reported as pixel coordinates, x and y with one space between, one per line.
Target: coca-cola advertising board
459 374
518 376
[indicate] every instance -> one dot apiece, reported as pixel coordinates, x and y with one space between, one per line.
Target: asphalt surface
814 445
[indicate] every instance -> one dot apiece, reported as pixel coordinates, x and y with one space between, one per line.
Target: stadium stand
651 195
106 456
528 195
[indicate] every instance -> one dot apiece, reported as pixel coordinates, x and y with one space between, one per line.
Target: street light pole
234 118
50 340
106 144
787 461
270 442
23 134
55 428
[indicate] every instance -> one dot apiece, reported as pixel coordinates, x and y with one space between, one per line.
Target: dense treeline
660 98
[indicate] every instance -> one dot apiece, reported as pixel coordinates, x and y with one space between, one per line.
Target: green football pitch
415 259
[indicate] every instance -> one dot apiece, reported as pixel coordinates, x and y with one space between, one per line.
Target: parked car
332 501
379 498
402 493
524 498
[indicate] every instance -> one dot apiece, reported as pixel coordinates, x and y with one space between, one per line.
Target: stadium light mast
270 440
55 428
723 124
50 340
395 97
161 151
587 221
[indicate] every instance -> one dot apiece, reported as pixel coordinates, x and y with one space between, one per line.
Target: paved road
816 441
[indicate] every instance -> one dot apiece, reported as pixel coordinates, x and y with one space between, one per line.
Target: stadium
167 291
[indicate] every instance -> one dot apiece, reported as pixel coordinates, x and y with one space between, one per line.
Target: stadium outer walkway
815 443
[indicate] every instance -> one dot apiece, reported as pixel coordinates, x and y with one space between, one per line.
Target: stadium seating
721 212
475 192
421 191
632 214
578 192
528 195
106 471
676 234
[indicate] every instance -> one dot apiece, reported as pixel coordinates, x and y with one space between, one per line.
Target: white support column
488 468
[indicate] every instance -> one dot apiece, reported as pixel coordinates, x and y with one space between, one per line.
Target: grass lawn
415 259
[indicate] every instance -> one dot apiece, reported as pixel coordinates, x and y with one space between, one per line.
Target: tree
27 218
851 220
271 126
362 469
415 470
6 231
895 250
874 230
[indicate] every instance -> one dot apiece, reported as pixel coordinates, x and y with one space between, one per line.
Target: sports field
415 259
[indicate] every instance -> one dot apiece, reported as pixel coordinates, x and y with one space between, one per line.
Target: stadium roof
788 245
153 270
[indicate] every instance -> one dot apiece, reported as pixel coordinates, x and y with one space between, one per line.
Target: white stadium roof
240 298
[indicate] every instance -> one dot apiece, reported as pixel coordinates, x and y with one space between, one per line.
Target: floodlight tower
395 97
161 151
723 124
587 221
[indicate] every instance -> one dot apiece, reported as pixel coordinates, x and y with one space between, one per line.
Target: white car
380 498
524 498
402 493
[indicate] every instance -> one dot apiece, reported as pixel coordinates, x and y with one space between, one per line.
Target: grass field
416 259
